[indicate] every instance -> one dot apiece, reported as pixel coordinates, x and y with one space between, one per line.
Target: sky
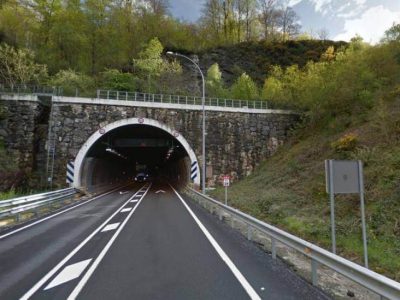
341 19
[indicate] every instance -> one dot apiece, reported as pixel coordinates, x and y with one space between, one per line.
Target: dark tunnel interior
129 152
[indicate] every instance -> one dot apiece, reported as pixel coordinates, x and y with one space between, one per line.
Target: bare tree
268 17
323 34
289 23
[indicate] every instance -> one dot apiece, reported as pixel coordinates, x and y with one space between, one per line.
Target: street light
204 118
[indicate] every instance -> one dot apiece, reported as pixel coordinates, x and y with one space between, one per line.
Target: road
145 242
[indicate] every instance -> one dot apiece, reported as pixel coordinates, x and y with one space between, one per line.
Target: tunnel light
112 151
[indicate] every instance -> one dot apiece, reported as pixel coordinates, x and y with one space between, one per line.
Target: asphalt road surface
145 242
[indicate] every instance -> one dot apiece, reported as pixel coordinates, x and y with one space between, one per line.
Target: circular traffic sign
102 131
141 120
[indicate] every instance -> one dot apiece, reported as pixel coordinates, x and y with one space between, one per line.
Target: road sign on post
346 177
226 184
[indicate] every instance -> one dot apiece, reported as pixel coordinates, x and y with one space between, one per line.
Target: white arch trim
124 122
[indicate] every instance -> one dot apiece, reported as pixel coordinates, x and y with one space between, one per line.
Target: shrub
73 83
113 79
346 143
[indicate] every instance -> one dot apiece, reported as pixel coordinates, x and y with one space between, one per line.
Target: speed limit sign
226 181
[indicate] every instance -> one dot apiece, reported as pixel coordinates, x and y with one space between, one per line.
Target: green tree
152 65
113 79
215 85
18 66
73 83
244 88
392 34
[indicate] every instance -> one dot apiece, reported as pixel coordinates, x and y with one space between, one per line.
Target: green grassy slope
288 190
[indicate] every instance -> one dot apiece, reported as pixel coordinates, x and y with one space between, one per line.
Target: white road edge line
239 276
42 281
69 273
93 267
126 209
56 214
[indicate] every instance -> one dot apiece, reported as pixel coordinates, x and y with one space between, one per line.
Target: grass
288 189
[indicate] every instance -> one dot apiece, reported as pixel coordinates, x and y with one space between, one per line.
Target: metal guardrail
14 207
30 89
177 99
383 286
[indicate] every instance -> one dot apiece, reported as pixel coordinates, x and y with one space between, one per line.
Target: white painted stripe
42 281
93 267
69 273
243 281
110 227
134 201
57 214
126 210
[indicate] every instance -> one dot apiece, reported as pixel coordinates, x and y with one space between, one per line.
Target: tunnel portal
119 151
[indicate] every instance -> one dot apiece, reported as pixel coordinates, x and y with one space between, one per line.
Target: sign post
226 184
346 177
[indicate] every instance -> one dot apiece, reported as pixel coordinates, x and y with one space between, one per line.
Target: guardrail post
108 95
98 94
17 218
249 232
273 248
314 272
232 221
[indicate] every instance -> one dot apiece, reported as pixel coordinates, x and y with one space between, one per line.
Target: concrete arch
195 172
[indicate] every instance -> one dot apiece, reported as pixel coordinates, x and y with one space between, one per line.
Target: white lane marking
123 192
239 276
42 281
160 191
134 201
126 209
93 267
55 215
110 227
69 273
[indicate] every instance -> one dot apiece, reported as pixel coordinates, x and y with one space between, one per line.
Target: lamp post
203 173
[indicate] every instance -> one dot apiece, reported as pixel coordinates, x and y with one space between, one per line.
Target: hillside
257 58
288 189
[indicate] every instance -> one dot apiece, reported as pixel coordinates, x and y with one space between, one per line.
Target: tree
215 85
392 34
151 64
268 17
17 66
244 88
73 83
289 23
113 79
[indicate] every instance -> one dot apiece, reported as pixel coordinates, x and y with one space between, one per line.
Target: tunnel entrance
121 150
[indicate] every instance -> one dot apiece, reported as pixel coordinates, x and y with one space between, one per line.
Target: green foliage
113 79
392 34
17 66
73 83
244 88
151 65
214 83
343 83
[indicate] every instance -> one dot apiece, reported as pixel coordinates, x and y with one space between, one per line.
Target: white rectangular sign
345 176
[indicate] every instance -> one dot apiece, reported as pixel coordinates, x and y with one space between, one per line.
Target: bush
113 79
244 88
346 143
73 83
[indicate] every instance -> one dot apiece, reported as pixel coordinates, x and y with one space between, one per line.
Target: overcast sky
342 19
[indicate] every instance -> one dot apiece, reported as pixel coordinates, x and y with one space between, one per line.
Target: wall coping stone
96 101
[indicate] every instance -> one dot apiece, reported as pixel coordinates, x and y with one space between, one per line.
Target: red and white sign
102 131
227 181
141 120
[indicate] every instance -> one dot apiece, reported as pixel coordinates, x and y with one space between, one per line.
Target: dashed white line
239 276
110 227
42 281
134 201
126 210
69 273
93 267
